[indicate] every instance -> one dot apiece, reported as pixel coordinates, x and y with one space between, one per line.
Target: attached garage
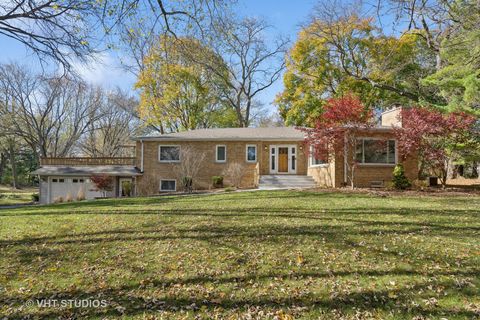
74 188
62 183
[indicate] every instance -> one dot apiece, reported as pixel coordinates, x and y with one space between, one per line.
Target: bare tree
187 170
63 30
110 134
253 64
49 114
235 171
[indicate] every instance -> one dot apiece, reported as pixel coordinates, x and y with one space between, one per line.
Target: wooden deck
87 161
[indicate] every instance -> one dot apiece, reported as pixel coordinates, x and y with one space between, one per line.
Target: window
251 153
77 180
169 153
221 154
376 151
168 185
55 180
315 160
273 158
294 158
58 180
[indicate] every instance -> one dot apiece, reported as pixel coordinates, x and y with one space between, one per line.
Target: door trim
291 157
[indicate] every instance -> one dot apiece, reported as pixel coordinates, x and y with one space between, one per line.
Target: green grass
10 196
262 255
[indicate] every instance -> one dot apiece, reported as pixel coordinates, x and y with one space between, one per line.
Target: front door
283 160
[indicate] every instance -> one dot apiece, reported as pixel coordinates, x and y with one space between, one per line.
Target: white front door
283 159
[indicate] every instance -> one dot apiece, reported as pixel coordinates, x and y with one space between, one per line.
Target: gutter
345 159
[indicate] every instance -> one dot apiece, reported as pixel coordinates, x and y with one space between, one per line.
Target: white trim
321 165
141 156
246 153
311 158
290 157
168 180
216 153
373 164
168 161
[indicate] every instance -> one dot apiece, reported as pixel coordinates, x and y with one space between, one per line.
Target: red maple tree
433 136
103 183
337 129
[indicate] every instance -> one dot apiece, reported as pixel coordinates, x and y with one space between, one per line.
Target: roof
232 134
87 170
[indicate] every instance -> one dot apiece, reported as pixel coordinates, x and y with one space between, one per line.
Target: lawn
9 196
249 255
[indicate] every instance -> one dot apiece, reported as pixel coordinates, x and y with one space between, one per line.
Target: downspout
141 156
345 159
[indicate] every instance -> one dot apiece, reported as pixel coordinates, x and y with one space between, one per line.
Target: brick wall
366 173
154 170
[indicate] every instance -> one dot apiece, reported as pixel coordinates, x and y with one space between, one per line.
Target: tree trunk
14 166
476 170
3 163
450 169
352 175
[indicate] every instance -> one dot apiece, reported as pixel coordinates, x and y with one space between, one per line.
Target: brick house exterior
262 152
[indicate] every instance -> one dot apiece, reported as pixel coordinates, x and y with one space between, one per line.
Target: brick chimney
391 117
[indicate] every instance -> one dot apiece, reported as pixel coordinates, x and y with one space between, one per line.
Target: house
269 157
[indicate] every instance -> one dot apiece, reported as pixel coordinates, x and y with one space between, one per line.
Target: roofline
85 174
187 139
159 138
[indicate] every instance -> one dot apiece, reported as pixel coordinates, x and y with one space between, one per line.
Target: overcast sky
284 15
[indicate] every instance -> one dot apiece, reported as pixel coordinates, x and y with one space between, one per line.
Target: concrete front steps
269 182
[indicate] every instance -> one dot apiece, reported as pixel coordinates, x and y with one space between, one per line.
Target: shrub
148 185
187 184
35 197
235 172
420 184
103 183
229 189
80 195
58 200
68 197
217 181
399 180
127 188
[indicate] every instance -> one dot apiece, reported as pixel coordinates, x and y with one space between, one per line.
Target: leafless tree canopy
254 62
110 135
189 167
55 115
63 30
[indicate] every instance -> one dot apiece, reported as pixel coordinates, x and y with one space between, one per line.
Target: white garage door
65 187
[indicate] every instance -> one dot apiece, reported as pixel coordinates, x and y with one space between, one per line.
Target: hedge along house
269 158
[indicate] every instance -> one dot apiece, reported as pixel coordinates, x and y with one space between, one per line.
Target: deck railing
87 161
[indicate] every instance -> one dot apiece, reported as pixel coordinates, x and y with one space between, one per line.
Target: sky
285 16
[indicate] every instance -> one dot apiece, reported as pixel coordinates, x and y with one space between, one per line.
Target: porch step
286 182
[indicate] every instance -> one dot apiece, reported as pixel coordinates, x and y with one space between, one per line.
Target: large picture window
315 160
169 153
376 151
221 153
